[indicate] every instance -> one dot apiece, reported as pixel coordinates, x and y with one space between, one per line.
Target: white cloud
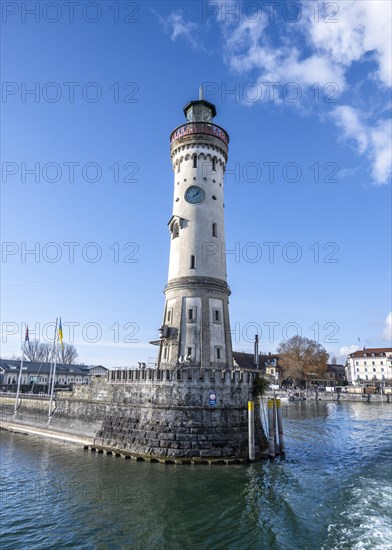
247 47
176 27
361 27
387 332
374 141
380 138
323 51
348 119
346 350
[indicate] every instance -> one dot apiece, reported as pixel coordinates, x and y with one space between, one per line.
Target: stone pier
163 414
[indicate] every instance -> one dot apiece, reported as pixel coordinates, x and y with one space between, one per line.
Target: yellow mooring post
271 426
251 429
280 425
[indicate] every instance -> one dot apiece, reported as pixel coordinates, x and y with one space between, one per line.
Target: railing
185 375
199 128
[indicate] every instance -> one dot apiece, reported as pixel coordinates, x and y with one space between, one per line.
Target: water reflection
336 467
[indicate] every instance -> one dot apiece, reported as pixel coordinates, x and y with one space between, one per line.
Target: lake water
332 490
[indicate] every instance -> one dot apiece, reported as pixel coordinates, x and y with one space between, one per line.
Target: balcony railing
199 128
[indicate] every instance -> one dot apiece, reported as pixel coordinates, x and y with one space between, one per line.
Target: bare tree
333 360
44 352
301 357
32 350
67 354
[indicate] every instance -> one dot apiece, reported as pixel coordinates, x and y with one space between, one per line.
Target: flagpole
51 360
53 373
17 406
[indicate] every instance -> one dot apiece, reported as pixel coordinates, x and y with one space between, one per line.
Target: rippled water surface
333 490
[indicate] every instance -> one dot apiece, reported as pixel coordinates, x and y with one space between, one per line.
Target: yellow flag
61 334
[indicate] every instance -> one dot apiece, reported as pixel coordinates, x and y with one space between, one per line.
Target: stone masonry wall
170 416
162 416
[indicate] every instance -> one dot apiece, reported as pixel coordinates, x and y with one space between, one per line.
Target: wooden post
251 429
280 425
271 443
275 426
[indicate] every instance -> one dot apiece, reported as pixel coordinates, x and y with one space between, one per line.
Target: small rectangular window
169 315
191 315
217 316
189 354
193 262
218 353
194 161
214 230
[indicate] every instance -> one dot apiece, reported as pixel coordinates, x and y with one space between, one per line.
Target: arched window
194 161
193 262
214 230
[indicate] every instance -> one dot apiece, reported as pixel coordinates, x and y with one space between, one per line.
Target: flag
61 334
27 334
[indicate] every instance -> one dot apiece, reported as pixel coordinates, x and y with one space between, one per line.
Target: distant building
242 360
96 370
38 373
369 365
268 364
335 375
273 372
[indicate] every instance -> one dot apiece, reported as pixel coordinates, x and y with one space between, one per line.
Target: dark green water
333 490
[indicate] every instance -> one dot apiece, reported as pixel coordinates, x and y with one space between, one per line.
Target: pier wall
163 414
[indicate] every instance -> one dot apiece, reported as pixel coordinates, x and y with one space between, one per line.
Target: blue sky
304 92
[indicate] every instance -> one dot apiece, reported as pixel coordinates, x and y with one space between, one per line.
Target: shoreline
308 395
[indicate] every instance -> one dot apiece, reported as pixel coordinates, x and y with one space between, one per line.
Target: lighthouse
193 407
196 328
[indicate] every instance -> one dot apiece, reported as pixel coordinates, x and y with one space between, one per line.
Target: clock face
195 194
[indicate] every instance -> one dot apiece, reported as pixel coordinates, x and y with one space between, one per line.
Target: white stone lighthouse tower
196 327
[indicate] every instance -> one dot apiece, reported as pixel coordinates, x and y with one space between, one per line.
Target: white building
369 365
96 370
196 328
40 373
